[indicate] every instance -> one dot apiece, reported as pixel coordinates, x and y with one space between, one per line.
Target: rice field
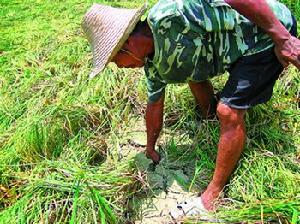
71 149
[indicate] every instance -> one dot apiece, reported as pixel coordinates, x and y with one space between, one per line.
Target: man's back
196 40
190 35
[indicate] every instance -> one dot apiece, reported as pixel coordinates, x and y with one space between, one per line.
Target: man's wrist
279 36
150 147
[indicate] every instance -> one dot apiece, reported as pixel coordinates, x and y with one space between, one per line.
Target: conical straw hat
107 29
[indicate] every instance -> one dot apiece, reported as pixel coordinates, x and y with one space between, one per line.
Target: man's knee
229 115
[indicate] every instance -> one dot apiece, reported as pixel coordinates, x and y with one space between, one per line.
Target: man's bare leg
203 93
231 144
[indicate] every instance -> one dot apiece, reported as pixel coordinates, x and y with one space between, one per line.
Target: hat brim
107 29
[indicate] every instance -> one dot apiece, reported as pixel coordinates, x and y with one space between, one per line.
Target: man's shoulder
206 15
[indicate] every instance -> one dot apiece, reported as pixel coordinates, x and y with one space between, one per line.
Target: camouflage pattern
199 39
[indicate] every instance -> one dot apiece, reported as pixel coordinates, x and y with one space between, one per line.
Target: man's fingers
296 61
289 52
283 62
281 58
297 64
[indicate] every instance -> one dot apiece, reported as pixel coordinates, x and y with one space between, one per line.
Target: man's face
132 54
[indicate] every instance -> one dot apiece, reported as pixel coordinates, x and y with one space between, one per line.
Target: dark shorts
252 78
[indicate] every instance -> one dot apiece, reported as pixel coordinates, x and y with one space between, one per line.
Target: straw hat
107 29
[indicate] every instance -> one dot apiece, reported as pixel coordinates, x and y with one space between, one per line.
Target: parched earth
167 187
165 184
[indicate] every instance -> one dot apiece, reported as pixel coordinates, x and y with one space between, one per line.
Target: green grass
61 135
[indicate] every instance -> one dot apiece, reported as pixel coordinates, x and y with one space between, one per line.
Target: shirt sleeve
155 85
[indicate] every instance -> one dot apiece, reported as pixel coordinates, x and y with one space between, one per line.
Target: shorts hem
239 107
227 102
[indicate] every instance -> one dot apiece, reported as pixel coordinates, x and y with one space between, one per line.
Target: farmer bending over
191 41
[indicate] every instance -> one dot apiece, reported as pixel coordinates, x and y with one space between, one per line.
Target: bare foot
210 196
154 155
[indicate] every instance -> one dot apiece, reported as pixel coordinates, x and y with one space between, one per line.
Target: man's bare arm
287 47
154 121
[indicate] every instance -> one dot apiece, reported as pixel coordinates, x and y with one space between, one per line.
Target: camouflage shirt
198 39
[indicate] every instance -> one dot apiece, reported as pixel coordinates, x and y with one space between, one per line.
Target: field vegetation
69 146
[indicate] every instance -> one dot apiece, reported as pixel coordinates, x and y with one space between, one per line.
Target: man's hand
289 52
153 155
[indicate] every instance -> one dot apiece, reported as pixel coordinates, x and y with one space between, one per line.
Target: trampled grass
62 137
